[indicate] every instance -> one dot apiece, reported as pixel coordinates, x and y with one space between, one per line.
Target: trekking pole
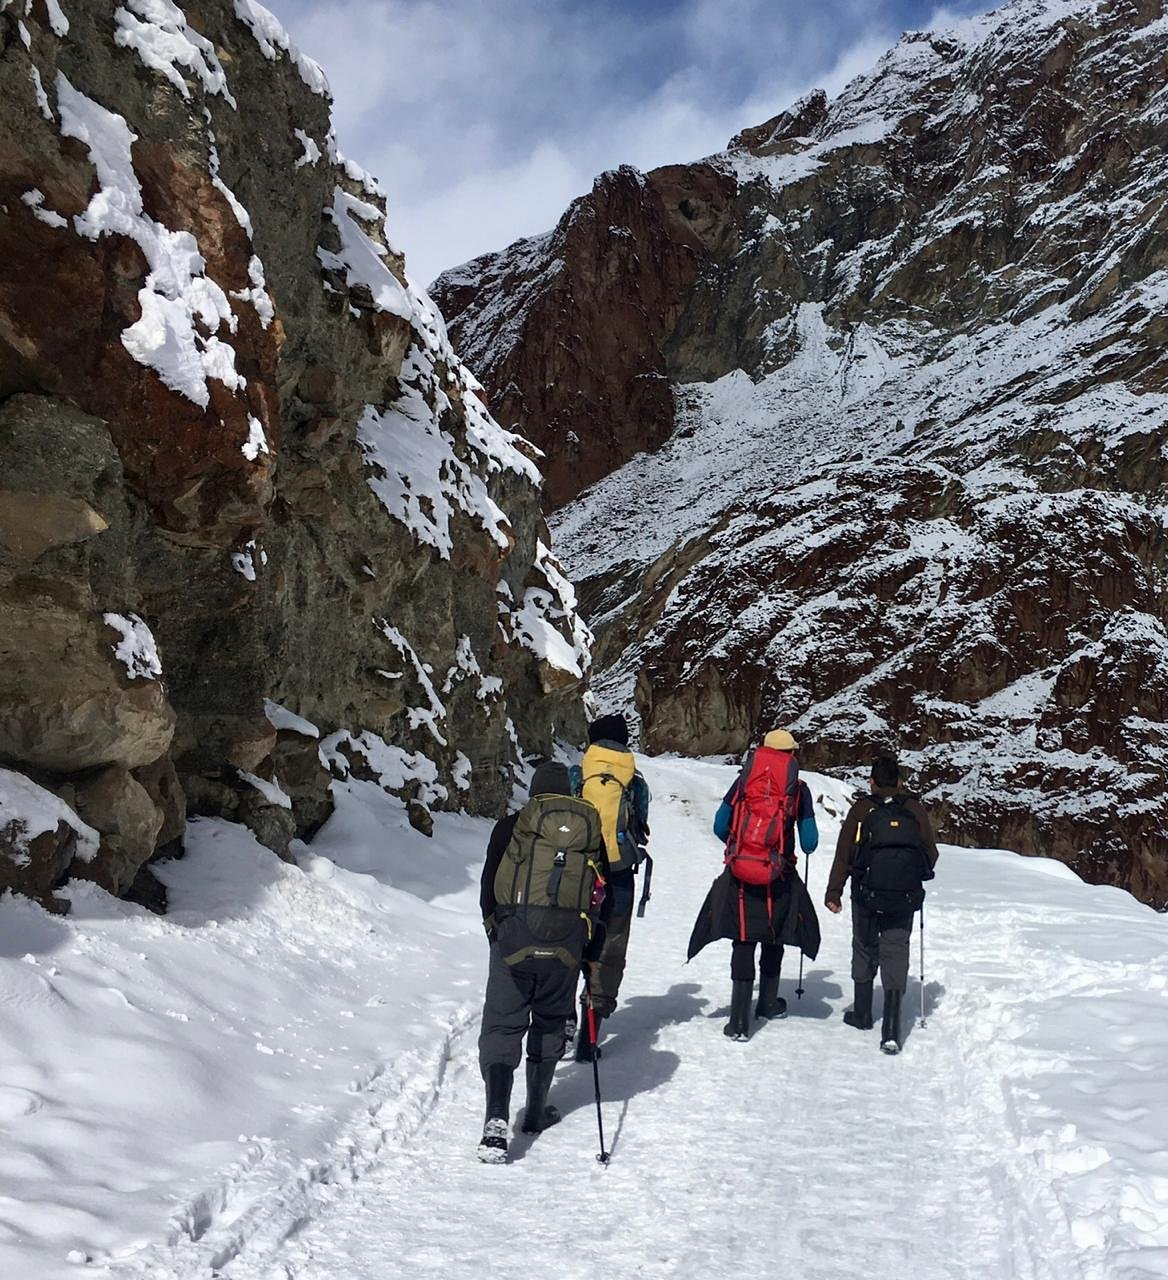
806 873
603 1156
924 1020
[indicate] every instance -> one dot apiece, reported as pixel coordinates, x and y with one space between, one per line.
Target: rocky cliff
257 529
913 491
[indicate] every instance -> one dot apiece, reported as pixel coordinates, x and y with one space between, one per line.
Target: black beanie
613 728
550 779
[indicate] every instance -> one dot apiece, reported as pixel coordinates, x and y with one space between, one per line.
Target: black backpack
891 862
544 887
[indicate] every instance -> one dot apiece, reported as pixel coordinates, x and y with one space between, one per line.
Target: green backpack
547 875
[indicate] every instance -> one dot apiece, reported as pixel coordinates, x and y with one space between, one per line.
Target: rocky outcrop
251 502
586 312
912 497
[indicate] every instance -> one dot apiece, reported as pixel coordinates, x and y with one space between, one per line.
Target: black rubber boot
770 1003
890 1031
738 1028
860 1014
538 1116
498 1078
584 1045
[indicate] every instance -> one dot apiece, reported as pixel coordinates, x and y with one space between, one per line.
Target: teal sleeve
808 834
722 820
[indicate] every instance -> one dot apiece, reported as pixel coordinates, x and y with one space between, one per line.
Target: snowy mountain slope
299 1117
914 494
237 444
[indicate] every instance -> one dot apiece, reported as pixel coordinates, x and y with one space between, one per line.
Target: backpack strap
557 874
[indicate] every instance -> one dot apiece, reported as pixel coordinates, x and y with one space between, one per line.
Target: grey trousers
531 999
606 972
880 942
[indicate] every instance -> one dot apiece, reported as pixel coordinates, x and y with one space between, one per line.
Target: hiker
886 847
541 895
759 897
607 777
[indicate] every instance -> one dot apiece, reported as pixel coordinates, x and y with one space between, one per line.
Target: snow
311 150
279 1079
35 200
270 789
279 717
58 22
273 40
158 32
256 442
136 650
416 472
395 769
27 811
432 714
42 98
244 561
539 622
362 259
177 296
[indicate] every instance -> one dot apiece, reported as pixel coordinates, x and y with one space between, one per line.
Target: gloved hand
489 926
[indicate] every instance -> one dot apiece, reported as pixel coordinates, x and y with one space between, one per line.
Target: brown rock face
215 389
583 373
65 704
118 806
913 495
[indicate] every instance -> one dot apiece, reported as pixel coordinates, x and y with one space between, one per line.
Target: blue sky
484 118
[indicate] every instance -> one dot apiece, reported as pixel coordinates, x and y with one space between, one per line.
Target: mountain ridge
927 329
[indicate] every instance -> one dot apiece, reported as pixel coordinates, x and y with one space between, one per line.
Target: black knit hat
614 728
550 779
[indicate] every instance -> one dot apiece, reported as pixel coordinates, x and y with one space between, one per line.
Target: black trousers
742 960
880 942
532 999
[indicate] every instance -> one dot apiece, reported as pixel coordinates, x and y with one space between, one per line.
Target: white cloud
484 118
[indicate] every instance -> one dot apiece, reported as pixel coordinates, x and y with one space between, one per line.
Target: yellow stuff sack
606 773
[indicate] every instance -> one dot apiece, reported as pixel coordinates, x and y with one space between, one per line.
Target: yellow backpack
606 775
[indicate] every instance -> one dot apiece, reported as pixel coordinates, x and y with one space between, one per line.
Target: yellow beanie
780 740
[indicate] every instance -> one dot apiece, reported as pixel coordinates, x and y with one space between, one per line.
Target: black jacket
496 846
787 916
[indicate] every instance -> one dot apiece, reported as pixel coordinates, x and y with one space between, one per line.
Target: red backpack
765 809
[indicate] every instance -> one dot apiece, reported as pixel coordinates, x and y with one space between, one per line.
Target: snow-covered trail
805 1152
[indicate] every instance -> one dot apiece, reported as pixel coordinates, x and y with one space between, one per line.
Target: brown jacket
861 807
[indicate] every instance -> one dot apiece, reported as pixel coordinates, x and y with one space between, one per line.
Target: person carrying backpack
759 898
607 777
887 848
542 897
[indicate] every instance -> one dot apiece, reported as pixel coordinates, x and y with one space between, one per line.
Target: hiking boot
890 1031
860 1014
738 1028
538 1115
493 1144
498 1078
770 1003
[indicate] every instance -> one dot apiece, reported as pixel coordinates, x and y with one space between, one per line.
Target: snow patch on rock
28 810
